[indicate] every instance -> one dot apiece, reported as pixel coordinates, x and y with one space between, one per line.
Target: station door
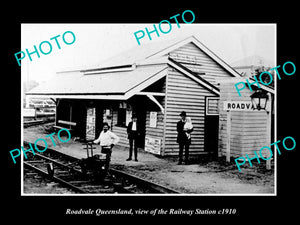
211 125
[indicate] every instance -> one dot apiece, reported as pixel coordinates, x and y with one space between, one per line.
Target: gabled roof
126 74
201 46
158 50
135 55
108 85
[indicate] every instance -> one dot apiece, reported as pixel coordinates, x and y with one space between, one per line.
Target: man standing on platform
184 137
133 133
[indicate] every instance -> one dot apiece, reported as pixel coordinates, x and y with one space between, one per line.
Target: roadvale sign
238 105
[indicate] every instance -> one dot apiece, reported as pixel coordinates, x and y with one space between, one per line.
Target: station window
212 106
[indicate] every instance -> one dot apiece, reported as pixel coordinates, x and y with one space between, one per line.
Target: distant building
248 66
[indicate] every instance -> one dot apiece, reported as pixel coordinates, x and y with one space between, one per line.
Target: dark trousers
132 141
186 147
107 150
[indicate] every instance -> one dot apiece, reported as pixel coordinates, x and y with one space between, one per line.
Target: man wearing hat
183 137
132 131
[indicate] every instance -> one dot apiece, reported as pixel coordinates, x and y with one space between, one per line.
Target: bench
65 123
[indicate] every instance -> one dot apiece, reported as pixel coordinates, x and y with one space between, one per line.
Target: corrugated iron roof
138 53
97 83
102 80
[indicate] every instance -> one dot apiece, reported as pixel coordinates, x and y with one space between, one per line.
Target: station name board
238 105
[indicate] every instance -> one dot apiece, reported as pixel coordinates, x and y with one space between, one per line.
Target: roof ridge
139 52
176 41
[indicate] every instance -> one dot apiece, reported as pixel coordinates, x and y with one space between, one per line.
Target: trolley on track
95 165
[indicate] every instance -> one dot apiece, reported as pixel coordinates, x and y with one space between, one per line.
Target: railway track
63 169
31 123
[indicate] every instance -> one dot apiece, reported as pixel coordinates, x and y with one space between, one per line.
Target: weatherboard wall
184 94
248 128
193 58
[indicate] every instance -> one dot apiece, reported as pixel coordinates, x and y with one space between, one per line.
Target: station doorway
211 128
141 118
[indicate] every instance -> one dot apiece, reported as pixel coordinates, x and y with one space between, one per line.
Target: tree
265 78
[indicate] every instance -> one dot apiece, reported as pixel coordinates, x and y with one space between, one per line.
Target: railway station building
156 82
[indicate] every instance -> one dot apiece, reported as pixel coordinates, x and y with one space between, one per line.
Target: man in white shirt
107 140
106 137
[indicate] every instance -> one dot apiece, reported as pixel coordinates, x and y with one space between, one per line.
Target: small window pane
212 106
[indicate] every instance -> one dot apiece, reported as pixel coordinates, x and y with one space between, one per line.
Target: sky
96 42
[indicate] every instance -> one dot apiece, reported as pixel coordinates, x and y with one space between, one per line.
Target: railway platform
208 177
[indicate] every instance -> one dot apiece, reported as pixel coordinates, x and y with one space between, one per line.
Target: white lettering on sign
238 106
153 145
153 119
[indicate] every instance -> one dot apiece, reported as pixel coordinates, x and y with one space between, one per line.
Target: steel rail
32 123
58 163
28 163
57 179
156 188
